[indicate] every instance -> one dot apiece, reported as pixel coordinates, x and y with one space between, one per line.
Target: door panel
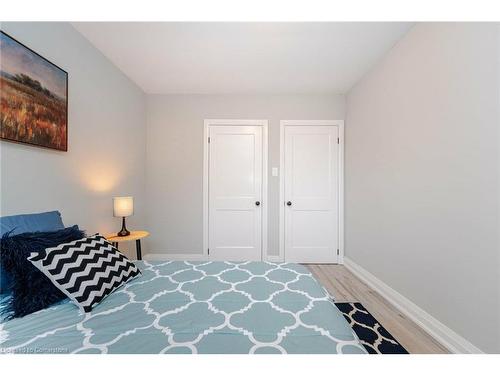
311 187
235 185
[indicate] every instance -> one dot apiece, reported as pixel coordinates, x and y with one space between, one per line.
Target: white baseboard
167 256
193 257
440 332
274 259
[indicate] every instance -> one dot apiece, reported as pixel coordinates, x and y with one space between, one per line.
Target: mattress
194 307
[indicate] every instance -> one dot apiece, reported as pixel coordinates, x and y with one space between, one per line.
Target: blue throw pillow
31 289
17 224
40 222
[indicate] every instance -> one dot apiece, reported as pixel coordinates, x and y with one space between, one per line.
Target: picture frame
33 97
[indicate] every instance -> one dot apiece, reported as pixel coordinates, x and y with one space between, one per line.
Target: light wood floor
346 287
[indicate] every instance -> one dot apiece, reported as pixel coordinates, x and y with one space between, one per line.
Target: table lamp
123 207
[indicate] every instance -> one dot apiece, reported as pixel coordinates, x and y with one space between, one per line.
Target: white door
311 194
235 193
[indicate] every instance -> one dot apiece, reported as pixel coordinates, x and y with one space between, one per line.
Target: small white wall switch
274 171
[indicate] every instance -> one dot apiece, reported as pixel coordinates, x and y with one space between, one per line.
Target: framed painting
33 97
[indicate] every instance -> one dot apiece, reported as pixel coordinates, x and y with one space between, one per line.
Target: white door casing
236 190
311 191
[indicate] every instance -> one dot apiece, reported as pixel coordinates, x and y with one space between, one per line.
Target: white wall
106 149
422 171
175 158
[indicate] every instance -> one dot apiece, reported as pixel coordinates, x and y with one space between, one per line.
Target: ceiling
243 58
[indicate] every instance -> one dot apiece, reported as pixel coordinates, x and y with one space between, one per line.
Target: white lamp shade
123 206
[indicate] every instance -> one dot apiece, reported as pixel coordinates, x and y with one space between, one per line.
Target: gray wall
106 149
422 170
175 158
422 163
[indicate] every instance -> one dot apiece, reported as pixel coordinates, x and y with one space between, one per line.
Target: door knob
288 203
257 203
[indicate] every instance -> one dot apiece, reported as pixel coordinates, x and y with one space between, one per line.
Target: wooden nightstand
134 235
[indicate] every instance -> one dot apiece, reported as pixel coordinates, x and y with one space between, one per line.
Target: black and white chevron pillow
86 270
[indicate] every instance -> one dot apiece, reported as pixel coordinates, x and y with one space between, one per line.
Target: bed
194 307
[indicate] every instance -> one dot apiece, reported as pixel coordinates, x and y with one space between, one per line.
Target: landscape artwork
33 97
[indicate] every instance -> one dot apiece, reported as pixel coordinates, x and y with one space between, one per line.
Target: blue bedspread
194 307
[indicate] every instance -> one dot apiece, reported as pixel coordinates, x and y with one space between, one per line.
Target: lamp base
123 232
